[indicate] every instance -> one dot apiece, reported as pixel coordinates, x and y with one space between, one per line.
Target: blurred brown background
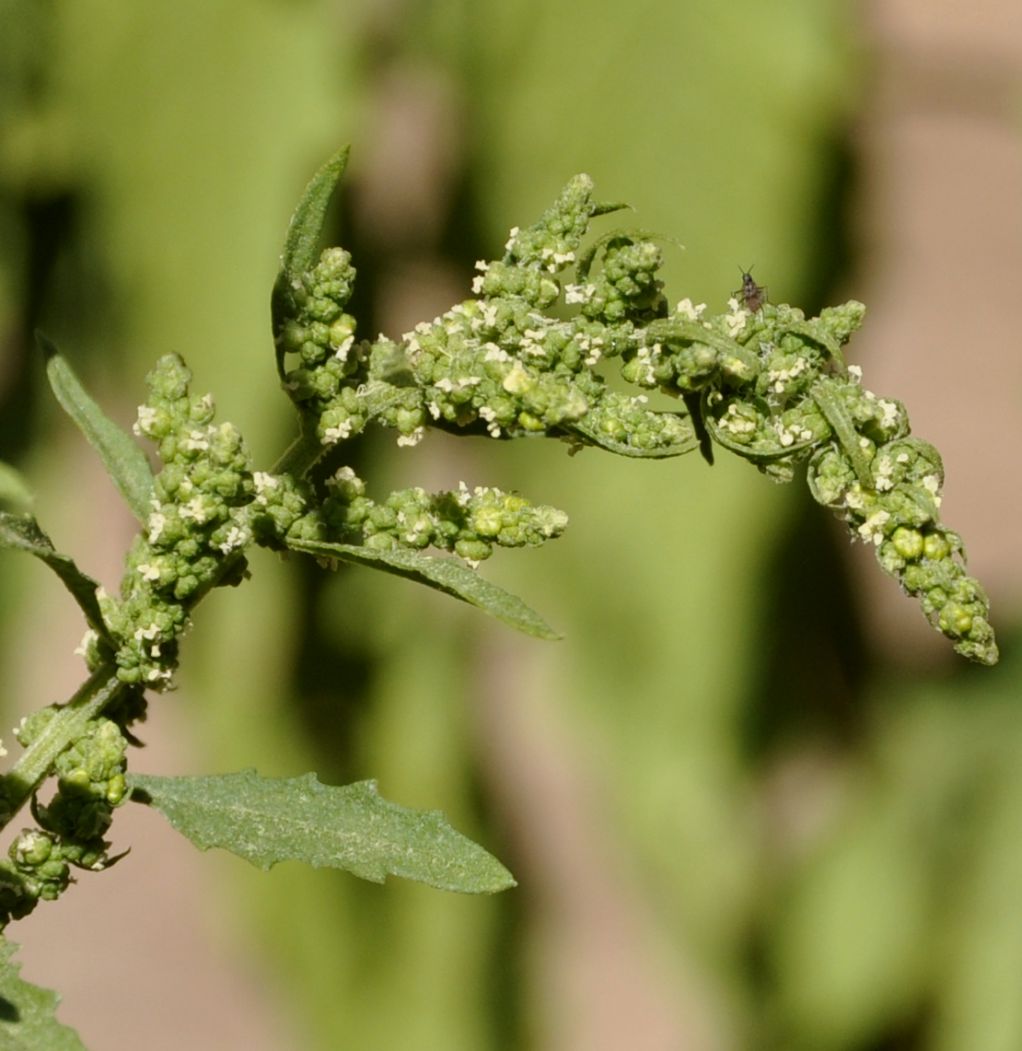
751 800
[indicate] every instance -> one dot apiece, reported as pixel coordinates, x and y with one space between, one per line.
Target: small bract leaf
444 574
14 490
266 820
301 247
22 533
123 458
27 1012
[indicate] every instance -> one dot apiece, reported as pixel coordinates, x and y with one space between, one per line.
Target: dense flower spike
526 357
468 522
195 528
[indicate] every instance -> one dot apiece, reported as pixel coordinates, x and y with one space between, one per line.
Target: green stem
302 454
92 697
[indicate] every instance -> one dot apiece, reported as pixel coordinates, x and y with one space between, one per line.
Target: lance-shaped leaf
14 489
301 246
121 455
28 1021
266 820
443 574
306 227
22 533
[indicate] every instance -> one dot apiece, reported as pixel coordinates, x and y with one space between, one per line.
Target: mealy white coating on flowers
735 318
575 294
883 470
196 510
780 378
344 348
197 441
931 483
337 433
413 438
155 524
146 419
687 310
873 528
237 537
264 482
89 639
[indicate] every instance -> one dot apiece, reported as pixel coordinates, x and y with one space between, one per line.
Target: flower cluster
90 783
195 532
503 364
469 522
898 512
525 357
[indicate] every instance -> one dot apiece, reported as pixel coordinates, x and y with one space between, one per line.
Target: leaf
27 1012
266 820
13 487
593 436
22 533
121 455
444 574
301 246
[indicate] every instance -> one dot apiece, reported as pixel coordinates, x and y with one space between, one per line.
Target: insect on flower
753 296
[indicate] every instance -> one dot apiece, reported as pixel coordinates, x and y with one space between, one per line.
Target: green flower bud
909 543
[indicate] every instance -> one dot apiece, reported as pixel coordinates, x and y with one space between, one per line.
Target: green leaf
301 246
444 574
22 533
266 820
13 487
123 458
593 436
27 1012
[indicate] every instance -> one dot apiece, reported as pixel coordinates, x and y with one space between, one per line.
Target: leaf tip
45 344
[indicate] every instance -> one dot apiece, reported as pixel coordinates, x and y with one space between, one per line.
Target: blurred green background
749 803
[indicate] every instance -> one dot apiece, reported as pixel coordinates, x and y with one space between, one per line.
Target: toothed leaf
267 820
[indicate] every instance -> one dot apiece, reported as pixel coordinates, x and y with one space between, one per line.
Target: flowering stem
67 726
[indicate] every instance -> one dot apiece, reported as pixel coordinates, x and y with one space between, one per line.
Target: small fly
753 296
